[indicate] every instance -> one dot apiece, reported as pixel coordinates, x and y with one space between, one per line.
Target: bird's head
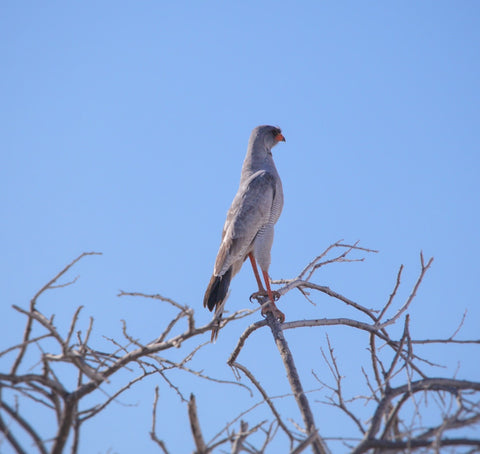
269 136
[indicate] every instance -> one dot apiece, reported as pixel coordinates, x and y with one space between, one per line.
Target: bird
249 227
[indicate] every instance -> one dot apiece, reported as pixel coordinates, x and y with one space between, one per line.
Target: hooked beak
279 138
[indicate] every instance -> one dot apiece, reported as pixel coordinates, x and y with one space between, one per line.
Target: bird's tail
215 296
217 290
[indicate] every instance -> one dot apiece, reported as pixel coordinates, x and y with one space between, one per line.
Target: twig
424 269
25 344
304 444
155 297
33 302
25 425
390 371
91 412
72 325
427 384
392 295
153 433
266 398
11 438
338 390
243 338
239 438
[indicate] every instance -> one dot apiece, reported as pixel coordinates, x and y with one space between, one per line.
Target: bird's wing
250 210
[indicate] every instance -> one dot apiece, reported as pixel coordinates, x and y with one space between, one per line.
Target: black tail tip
217 290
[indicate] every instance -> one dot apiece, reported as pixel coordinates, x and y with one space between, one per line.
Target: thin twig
153 433
25 425
33 302
266 398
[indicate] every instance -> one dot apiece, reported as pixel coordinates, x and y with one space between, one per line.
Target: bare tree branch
237 445
398 386
14 443
267 400
153 433
318 445
33 302
25 425
195 426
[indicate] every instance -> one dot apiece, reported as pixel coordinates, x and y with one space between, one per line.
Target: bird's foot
262 294
275 311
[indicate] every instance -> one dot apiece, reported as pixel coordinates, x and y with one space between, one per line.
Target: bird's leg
272 296
257 276
269 306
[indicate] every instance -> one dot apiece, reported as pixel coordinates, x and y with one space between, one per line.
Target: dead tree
396 378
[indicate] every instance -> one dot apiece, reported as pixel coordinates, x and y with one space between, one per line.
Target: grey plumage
249 227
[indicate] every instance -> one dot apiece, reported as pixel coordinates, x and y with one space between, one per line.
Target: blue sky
124 130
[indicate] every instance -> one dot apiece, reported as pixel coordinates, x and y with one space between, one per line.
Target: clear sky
124 127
